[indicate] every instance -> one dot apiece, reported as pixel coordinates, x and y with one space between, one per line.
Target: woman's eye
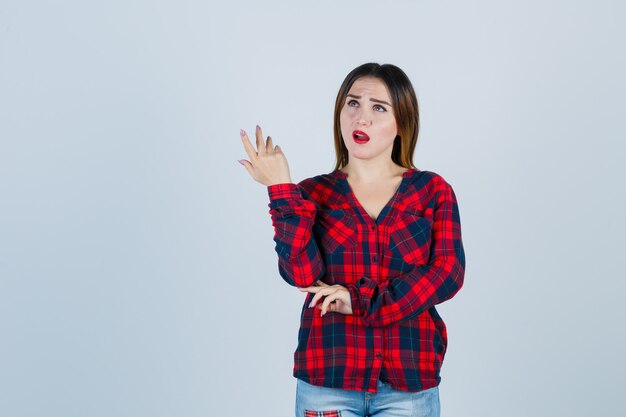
379 108
353 103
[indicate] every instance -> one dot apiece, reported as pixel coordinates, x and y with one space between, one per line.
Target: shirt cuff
355 300
360 292
284 190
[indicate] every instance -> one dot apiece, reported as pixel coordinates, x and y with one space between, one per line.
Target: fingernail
242 132
240 161
311 304
258 127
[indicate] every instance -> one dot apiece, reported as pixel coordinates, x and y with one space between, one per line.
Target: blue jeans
387 402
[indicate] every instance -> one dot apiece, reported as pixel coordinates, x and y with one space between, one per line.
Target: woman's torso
380 233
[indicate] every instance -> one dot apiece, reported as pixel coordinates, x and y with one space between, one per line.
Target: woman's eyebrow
371 99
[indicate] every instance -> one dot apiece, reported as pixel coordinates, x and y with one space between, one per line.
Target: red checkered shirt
396 268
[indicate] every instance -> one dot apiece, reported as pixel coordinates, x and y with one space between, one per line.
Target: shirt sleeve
411 293
299 260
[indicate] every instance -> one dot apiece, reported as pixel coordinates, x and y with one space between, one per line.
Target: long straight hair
405 110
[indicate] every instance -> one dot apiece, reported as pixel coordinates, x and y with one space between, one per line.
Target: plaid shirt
396 268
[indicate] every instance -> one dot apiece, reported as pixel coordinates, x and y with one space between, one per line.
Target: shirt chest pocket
335 229
410 237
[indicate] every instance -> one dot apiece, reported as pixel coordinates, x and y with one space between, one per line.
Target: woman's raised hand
267 165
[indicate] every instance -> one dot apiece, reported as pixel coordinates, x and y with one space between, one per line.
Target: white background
137 269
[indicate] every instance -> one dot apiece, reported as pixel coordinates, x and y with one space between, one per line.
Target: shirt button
372 227
379 356
362 281
374 258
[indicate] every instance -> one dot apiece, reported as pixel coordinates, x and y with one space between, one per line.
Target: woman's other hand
267 165
337 297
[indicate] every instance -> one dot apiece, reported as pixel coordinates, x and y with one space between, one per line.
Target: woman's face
368 125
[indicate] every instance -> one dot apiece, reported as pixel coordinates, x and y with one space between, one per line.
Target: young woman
375 244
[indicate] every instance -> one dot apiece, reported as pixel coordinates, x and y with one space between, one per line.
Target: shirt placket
374 272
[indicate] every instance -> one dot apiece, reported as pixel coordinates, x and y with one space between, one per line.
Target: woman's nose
363 119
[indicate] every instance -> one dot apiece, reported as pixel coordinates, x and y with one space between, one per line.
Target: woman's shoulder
321 186
429 181
319 180
423 175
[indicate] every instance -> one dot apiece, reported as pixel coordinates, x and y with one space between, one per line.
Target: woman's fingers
269 146
261 146
260 143
247 145
335 296
334 305
317 297
268 162
248 166
313 288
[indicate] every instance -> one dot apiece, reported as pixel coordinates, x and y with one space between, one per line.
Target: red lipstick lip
362 136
